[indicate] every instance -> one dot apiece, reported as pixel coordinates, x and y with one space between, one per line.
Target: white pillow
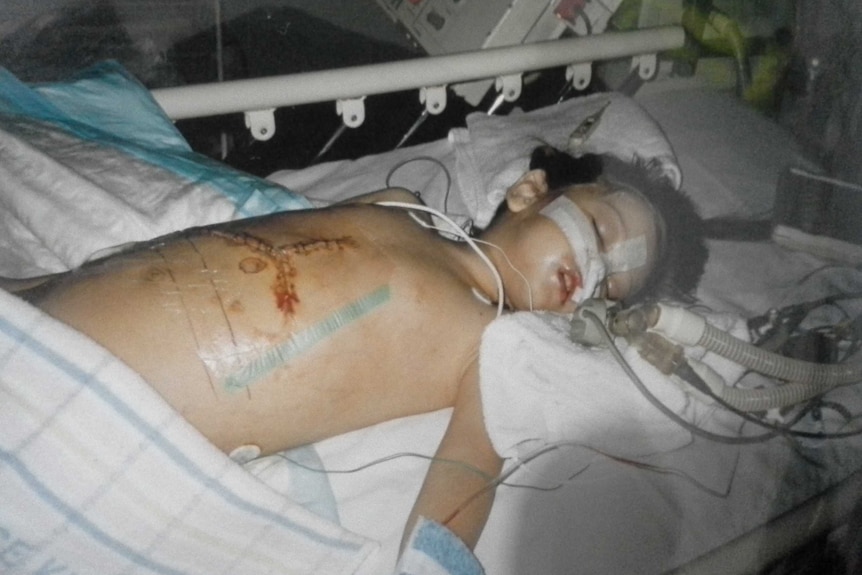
492 152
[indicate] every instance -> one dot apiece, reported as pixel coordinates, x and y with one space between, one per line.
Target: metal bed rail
258 98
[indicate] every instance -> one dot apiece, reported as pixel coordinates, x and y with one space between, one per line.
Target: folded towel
539 388
99 475
492 152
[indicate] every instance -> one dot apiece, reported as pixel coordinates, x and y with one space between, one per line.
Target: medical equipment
451 26
642 326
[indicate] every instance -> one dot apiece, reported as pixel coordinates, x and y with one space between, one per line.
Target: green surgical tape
304 340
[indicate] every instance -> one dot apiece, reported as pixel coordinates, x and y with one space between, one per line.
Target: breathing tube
805 379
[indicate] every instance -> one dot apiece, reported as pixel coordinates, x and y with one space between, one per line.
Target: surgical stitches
271 359
282 257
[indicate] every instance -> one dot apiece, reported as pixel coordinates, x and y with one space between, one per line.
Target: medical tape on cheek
582 239
627 255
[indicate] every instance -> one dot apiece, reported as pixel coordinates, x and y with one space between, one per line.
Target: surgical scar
284 260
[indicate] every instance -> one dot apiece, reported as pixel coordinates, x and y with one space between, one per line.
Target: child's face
621 227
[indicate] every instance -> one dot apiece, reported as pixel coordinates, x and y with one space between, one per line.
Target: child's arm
456 491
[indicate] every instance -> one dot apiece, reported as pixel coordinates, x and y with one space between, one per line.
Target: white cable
826 179
524 279
514 269
465 236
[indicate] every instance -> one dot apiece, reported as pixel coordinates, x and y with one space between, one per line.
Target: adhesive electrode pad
582 239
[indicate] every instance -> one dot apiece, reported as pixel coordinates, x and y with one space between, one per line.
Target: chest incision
283 259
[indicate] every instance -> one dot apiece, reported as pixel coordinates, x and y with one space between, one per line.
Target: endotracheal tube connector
584 331
805 379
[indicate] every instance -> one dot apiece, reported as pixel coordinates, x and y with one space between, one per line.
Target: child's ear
531 187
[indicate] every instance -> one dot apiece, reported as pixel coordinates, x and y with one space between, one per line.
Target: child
286 329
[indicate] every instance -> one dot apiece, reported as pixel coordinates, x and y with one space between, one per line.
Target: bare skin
193 312
287 329
209 303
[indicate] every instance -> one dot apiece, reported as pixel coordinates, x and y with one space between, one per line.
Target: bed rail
266 94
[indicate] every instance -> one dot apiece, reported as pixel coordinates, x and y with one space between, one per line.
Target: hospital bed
98 474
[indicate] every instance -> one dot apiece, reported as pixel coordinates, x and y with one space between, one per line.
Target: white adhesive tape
582 239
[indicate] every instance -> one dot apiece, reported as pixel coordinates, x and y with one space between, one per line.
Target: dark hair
684 253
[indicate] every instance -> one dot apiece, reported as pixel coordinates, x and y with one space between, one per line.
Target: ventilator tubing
806 379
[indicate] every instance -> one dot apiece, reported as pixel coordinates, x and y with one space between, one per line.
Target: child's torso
285 330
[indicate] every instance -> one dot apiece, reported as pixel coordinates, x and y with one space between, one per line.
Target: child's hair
684 253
